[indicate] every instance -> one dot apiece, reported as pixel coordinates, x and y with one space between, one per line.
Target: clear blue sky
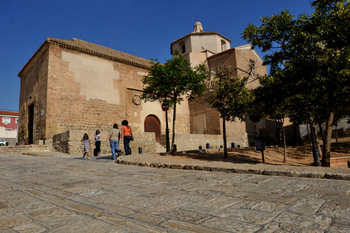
144 28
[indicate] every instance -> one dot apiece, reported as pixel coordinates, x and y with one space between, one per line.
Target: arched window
183 48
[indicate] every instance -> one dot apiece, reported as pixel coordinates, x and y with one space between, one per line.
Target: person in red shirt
126 136
26 142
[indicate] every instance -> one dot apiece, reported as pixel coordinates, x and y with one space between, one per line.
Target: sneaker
88 158
82 157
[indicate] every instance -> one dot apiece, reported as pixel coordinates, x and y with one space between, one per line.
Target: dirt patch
296 155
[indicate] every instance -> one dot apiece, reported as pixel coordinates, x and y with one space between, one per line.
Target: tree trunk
224 137
317 142
336 133
173 137
321 131
278 133
308 135
326 158
284 142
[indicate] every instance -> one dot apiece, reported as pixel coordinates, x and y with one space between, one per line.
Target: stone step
160 148
25 149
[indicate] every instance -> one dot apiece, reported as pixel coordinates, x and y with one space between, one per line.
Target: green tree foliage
269 101
229 96
309 57
171 82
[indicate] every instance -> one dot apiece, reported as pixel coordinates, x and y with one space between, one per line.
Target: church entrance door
152 124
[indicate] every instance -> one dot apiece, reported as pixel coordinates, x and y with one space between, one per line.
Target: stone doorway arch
152 124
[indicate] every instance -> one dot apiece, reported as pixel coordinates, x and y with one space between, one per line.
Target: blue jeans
114 147
127 139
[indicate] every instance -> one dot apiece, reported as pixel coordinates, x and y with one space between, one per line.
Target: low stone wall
193 141
70 142
339 162
60 142
11 141
21 149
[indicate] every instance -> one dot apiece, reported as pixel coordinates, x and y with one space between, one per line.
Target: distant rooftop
8 113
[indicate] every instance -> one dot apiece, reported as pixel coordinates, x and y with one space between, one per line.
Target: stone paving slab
176 162
68 194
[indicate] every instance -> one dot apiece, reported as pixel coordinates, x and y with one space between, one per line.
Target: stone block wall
33 93
70 142
78 98
60 142
193 141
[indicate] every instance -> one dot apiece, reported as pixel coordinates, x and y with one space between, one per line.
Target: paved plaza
67 194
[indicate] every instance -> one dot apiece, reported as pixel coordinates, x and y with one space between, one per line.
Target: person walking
86 143
114 137
126 136
97 143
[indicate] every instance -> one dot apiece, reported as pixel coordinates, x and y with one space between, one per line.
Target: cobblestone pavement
67 194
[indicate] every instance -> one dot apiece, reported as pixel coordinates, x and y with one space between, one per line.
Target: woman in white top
98 142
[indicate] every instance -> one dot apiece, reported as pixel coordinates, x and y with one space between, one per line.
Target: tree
309 56
229 96
170 82
269 102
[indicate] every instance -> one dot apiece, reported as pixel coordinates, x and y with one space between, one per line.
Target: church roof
96 50
198 30
200 33
242 47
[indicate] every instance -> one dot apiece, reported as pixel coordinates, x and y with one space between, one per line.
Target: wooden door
152 124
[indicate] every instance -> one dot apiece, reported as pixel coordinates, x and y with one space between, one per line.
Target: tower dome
198 27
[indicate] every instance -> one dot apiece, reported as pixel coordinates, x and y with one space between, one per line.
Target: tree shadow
341 147
219 156
295 156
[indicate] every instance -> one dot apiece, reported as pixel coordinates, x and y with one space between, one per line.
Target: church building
69 87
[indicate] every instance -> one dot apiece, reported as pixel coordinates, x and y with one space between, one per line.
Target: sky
144 28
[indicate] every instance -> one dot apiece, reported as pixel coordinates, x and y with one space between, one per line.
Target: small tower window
223 45
183 48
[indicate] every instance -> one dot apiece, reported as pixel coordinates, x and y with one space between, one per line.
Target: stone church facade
69 87
214 50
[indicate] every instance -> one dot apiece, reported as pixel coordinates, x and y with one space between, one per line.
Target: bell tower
198 27
198 45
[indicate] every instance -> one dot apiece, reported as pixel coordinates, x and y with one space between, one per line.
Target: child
86 143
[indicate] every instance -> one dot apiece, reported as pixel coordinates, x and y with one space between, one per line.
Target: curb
318 175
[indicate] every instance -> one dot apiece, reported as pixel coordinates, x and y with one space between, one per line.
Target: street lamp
165 108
